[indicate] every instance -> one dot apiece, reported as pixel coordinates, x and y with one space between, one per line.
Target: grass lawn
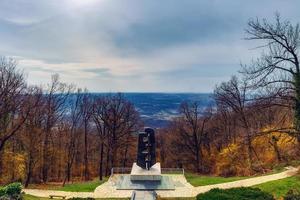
177 198
88 186
280 187
30 197
201 180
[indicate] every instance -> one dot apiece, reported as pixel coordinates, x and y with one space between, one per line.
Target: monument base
140 174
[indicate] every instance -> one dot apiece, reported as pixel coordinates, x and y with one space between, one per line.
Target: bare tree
236 96
115 119
100 106
55 107
192 132
121 120
31 137
233 96
12 90
12 94
73 134
278 67
86 109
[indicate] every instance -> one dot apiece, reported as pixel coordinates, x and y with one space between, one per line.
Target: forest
60 133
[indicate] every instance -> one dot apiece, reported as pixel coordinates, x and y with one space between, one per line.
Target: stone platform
140 174
124 182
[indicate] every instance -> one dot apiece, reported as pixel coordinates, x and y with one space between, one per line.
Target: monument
146 168
145 172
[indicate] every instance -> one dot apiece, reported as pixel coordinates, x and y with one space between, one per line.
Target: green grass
88 186
30 197
199 180
235 194
176 198
279 188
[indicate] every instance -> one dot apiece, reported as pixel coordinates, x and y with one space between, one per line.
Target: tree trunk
114 157
125 155
197 160
249 147
197 150
68 174
277 152
297 108
107 162
1 165
1 146
86 169
101 163
45 158
276 148
29 172
113 154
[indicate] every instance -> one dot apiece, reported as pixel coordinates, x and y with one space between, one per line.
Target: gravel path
182 187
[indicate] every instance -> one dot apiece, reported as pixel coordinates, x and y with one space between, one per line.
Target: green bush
2 191
241 193
11 191
292 195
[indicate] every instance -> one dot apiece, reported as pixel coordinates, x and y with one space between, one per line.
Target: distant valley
156 109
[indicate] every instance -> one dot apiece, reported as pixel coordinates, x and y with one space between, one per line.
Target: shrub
2 191
11 191
292 195
241 193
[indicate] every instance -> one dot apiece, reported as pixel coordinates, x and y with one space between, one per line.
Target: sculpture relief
146 149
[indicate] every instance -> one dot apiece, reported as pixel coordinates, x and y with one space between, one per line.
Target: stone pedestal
140 174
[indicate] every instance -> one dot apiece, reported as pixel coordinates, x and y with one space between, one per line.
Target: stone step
144 195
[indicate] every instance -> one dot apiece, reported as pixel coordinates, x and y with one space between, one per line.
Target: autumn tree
86 107
115 119
234 95
12 90
121 120
192 133
31 137
74 122
56 96
99 109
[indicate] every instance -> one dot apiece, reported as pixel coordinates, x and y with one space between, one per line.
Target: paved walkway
182 187
47 193
291 171
142 195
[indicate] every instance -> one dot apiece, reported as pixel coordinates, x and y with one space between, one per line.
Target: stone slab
142 195
125 183
140 174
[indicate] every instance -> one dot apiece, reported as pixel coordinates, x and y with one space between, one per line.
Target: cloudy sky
134 45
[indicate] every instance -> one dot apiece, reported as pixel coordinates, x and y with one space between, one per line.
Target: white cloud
133 45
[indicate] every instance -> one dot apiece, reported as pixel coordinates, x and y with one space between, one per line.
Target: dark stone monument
146 149
146 168
145 172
